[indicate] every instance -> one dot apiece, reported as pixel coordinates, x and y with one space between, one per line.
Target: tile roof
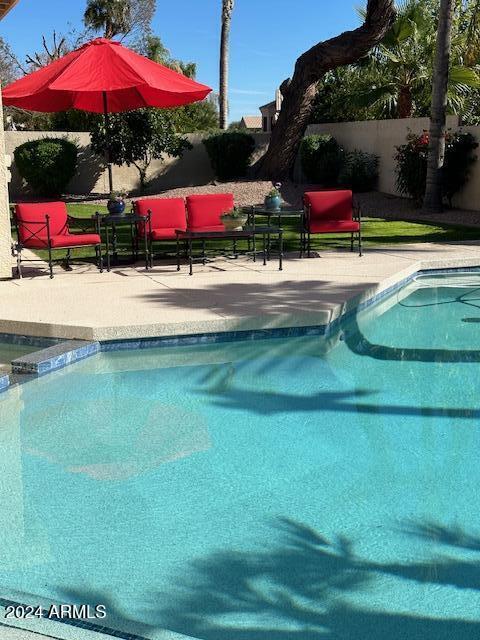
252 122
5 6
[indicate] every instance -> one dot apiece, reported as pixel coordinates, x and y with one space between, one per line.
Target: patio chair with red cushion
331 212
204 211
45 226
163 217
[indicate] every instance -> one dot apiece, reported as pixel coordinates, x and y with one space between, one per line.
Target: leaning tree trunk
299 91
227 9
436 151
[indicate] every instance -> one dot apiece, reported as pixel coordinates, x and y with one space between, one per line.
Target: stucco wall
379 137
91 177
382 136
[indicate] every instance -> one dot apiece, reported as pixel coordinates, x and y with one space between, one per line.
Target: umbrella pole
107 132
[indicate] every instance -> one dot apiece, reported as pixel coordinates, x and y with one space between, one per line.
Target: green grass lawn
376 232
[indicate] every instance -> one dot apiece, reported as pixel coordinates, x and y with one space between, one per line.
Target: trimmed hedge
230 153
47 164
322 159
359 171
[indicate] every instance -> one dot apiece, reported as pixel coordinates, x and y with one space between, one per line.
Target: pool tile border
28 341
4 382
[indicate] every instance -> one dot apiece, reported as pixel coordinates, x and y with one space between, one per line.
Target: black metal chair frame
148 225
306 241
40 226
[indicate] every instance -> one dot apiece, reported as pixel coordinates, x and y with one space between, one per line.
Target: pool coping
57 354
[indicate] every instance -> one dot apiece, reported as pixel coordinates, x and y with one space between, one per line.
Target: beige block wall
5 235
380 137
469 197
383 136
193 168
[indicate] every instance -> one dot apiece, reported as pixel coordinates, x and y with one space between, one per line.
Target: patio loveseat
194 213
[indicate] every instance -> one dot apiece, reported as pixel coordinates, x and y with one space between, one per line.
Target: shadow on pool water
302 583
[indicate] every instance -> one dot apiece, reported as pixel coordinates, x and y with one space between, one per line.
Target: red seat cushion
334 226
204 211
329 205
63 240
32 227
164 234
74 240
166 213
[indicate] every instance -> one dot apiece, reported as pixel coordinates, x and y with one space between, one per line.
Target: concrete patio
225 295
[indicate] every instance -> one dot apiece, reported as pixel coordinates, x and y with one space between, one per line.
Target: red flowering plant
412 160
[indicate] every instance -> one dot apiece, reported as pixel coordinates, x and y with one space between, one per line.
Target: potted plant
234 220
116 203
273 199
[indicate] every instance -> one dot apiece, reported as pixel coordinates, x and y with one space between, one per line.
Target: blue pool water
301 489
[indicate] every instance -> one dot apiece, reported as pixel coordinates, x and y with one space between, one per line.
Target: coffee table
247 233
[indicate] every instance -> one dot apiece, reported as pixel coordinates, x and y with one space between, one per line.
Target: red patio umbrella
105 77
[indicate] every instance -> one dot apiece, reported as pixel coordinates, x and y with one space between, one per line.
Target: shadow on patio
255 299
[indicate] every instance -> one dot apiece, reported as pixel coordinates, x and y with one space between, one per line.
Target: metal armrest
81 221
357 212
87 223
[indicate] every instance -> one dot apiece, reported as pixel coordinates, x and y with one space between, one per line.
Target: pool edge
60 353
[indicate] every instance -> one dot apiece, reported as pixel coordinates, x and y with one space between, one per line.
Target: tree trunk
299 92
405 103
227 8
433 201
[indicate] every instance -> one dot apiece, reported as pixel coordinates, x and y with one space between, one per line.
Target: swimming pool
296 489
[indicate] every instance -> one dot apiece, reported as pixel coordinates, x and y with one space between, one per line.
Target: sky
266 37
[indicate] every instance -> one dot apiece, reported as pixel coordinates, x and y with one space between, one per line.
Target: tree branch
299 91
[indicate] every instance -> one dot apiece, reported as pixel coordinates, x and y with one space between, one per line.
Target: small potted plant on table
234 220
273 199
116 203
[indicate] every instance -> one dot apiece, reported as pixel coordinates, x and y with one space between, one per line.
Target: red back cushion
36 212
167 213
205 210
332 205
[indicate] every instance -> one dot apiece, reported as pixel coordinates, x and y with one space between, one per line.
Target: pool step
55 357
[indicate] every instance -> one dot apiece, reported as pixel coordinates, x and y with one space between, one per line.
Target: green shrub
412 159
230 153
458 160
47 164
359 171
322 159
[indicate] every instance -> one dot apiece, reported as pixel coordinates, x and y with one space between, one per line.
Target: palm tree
113 17
227 9
436 152
395 79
